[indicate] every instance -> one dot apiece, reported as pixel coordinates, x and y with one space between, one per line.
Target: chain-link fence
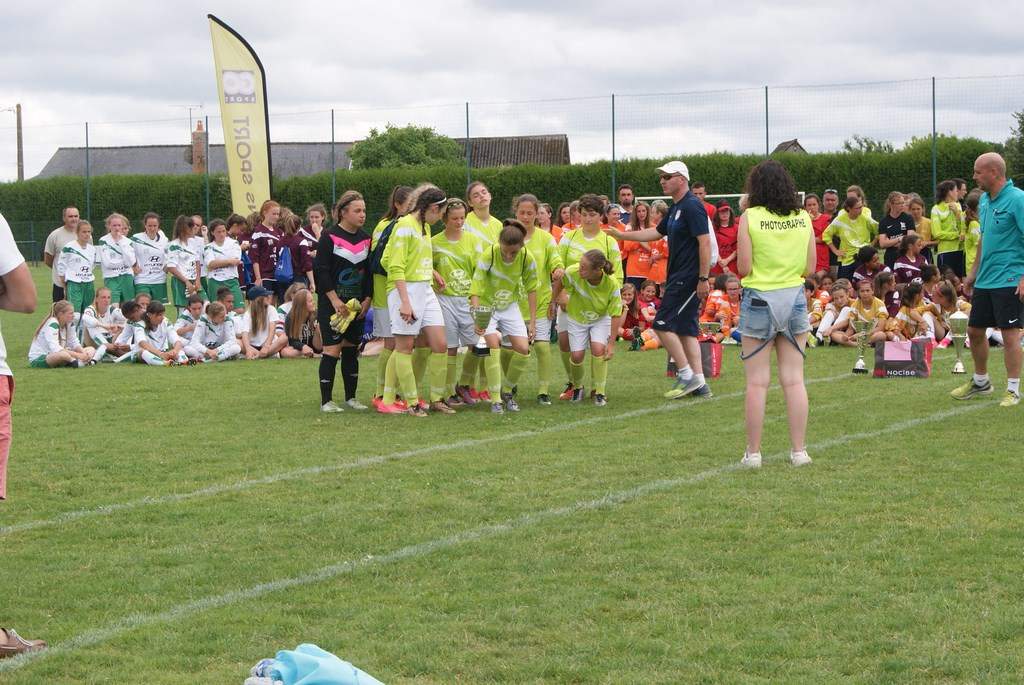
814 118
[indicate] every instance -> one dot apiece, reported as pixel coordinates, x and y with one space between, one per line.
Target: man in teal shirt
997 279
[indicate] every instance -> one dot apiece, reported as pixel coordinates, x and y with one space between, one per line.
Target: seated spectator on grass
632 324
910 322
835 325
56 342
907 268
103 323
945 303
300 327
189 316
722 306
930 280
885 290
815 309
871 309
869 265
289 297
214 338
160 346
262 335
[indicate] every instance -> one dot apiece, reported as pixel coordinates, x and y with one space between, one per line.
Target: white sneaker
356 404
751 461
799 458
331 408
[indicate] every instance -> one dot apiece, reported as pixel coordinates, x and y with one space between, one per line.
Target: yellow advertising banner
241 85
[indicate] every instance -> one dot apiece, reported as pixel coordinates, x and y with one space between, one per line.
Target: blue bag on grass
309 665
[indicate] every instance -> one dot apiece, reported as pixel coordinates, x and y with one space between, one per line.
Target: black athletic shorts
996 308
680 308
353 334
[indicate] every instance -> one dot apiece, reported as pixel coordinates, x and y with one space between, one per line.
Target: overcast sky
118 61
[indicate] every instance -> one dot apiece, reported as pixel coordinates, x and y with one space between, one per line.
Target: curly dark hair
769 185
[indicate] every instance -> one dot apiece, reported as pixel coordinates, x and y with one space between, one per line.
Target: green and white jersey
575 243
487 233
162 337
116 257
236 323
456 261
92 319
380 281
499 284
589 302
544 250
408 256
211 335
134 332
184 319
180 254
75 262
52 337
229 249
197 244
149 254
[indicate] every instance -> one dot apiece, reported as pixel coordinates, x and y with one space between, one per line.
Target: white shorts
381 322
509 321
582 334
543 330
424 307
458 322
561 320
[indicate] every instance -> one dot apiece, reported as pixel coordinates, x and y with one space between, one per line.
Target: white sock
684 374
981 379
98 354
699 377
1013 385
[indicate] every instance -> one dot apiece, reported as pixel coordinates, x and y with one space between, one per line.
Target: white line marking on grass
182 611
270 479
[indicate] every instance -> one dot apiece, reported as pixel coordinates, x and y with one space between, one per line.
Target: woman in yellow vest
775 251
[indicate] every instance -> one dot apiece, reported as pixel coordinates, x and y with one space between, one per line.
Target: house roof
789 146
289 159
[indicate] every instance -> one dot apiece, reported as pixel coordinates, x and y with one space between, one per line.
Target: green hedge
41 201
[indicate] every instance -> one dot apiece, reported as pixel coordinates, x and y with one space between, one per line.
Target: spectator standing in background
893 226
726 228
819 222
55 242
701 192
626 199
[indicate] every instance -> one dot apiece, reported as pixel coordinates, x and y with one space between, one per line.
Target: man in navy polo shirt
997 279
689 260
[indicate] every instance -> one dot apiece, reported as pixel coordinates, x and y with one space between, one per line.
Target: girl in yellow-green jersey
398 205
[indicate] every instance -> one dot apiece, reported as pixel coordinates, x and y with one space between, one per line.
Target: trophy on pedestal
958 331
863 329
481 319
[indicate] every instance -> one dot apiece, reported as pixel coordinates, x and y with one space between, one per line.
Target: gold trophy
481 319
958 331
709 328
863 329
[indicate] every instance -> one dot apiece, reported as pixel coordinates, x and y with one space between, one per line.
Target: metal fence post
334 165
469 151
88 190
935 165
613 195
767 145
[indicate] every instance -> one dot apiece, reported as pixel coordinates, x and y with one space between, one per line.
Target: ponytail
513 233
599 260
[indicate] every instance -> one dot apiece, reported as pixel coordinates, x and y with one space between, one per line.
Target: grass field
175 525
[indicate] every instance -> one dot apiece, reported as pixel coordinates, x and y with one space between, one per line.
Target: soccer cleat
544 400
331 408
401 404
440 407
703 392
600 400
356 404
577 394
485 396
509 400
377 401
454 401
466 395
472 393
751 461
567 393
496 408
1011 399
683 388
419 411
422 405
390 408
970 389
799 458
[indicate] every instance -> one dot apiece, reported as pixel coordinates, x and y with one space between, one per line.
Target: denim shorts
756 319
